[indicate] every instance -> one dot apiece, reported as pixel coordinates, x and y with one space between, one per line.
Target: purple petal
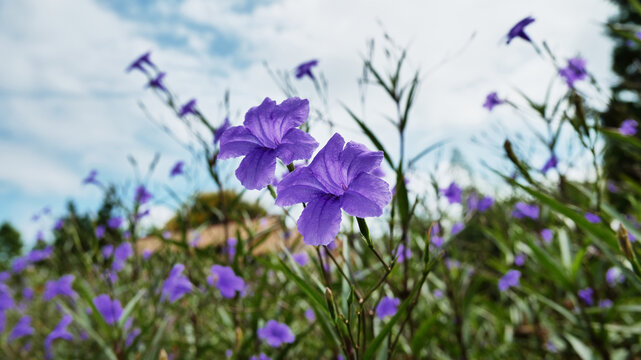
366 196
237 141
326 165
296 145
320 221
297 187
357 159
270 122
257 168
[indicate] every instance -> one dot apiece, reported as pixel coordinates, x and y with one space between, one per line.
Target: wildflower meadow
342 248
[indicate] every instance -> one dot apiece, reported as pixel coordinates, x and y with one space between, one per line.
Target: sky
68 106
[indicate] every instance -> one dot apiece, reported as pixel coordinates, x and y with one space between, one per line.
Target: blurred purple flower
111 310
438 293
387 307
37 255
6 300
276 334
59 332
229 353
100 231
457 228
156 82
107 251
146 254
115 222
231 248
492 100
452 264
221 130
586 295
310 315
453 193
485 203
403 254
176 284
547 235
22 328
519 259
188 108
194 242
614 276
142 195
612 187
261 356
59 224
510 279
518 30
593 218
522 210
132 336
605 303
140 62
61 286
269 131
305 69
177 169
437 241
550 164
338 177
19 264
4 276
575 71
301 258
121 254
27 293
628 127
91 178
227 282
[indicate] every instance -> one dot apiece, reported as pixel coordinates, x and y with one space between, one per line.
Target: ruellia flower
100 231
551 163
387 307
275 334
226 281
587 296
518 30
305 69
221 129
91 178
156 82
614 276
523 210
628 127
547 235
593 218
492 100
453 193
269 131
188 108
575 71
510 279
142 195
338 178
59 332
111 310
22 328
61 286
140 62
176 285
177 169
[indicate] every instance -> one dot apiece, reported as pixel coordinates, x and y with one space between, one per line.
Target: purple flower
188 108
522 210
132 336
226 281
231 248
229 353
221 129
437 241
575 71
614 276
453 193
305 69
492 100
485 203
403 254
457 228
301 258
91 178
310 315
111 310
269 132
338 177
438 293
378 172
550 164
510 279
605 304
142 195
142 214
176 284
387 307
121 254
586 295
261 356
27 293
194 242
59 332
19 264
518 30
593 218
628 127
547 235
519 259
115 222
4 276
276 334
156 82
140 62
146 254
61 286
59 224
612 187
177 169
37 255
6 300
22 328
100 231
107 251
